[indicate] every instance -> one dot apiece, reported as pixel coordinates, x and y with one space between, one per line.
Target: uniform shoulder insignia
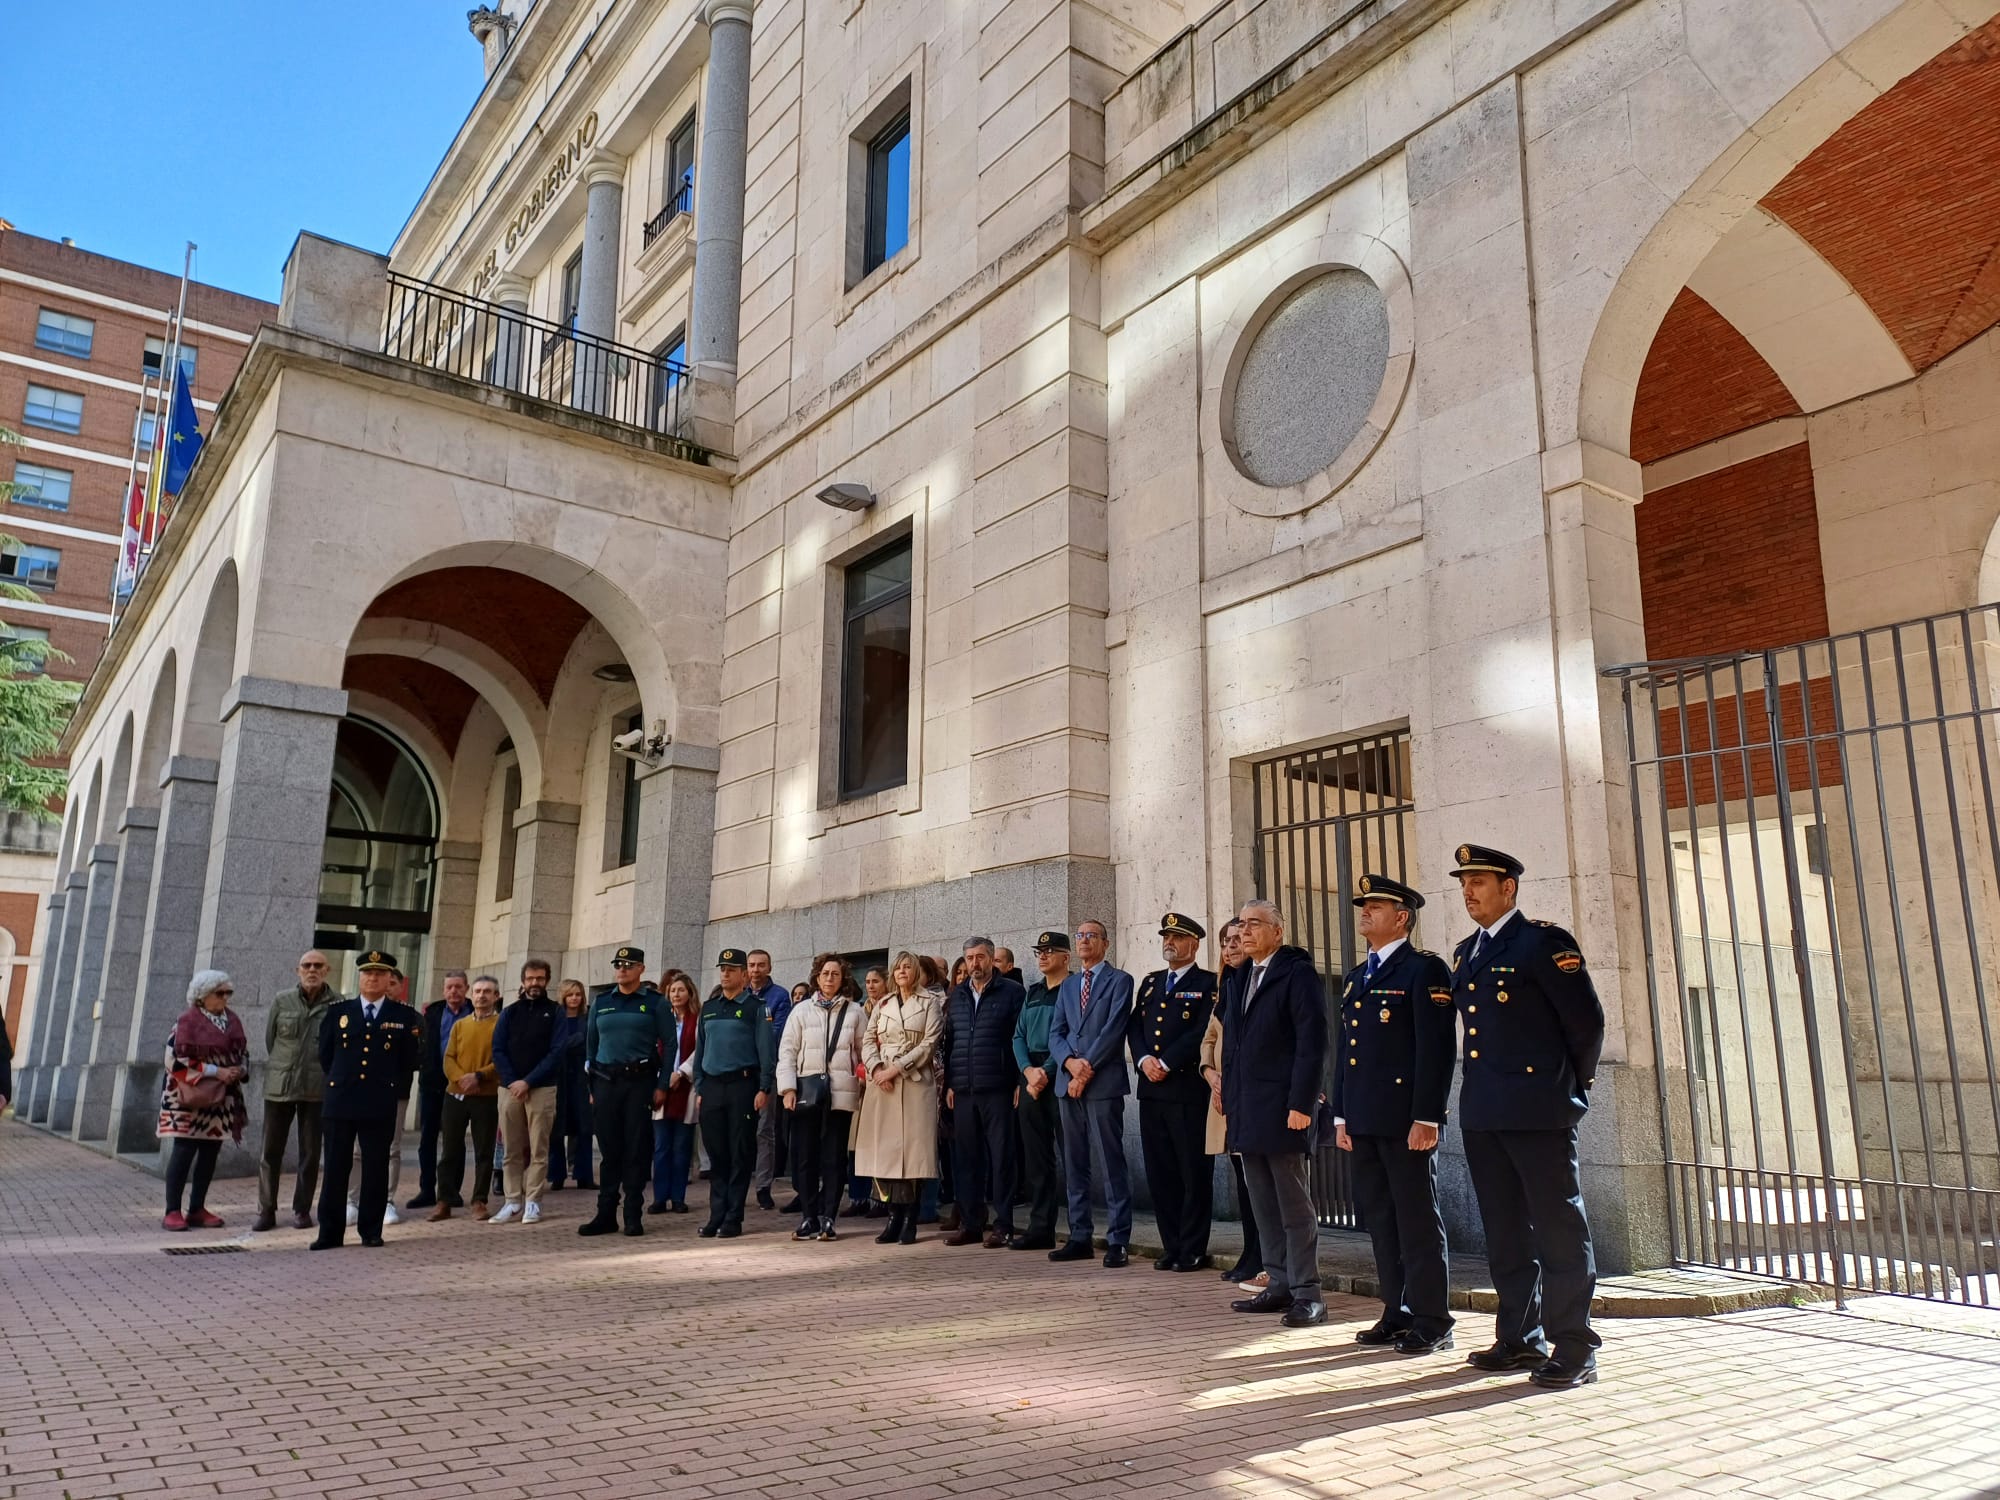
1440 994
1568 960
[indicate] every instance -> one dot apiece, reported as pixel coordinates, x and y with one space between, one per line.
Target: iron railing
1818 840
1323 818
682 202
444 330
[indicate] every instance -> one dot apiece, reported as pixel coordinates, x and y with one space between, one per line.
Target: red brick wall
1727 741
1701 381
1730 561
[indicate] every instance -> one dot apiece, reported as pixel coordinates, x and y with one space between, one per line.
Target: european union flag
183 436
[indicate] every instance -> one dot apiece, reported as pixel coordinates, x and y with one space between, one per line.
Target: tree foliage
34 708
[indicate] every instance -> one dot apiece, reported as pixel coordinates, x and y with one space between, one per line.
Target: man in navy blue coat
368 1047
1087 1057
1533 1033
1273 1053
981 1078
1391 1076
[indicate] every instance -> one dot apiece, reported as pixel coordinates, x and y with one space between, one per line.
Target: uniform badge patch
1385 1012
343 1023
1440 995
1569 961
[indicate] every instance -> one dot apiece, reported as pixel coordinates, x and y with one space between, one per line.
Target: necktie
1479 944
1256 978
1083 1005
371 1013
1374 963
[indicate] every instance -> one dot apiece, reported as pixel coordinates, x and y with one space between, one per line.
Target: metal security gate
1324 817
1818 841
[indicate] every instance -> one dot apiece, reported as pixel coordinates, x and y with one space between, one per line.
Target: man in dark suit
1087 1057
1391 1078
979 1071
1273 1053
1533 1033
368 1047
438 1016
1169 1017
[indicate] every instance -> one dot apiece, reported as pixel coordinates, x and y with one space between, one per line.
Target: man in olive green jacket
293 1084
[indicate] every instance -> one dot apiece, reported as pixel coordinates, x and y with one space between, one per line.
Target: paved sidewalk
521 1361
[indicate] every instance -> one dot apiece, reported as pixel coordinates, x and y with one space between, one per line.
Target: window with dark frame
572 291
156 356
680 167
64 333
888 204
672 359
875 673
510 836
628 808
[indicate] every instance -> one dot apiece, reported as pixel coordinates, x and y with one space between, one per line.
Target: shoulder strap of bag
833 1037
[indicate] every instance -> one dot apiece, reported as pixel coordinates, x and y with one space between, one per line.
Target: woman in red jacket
673 1127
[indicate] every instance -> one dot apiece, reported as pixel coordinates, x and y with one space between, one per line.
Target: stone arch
156 743
93 814
72 833
577 703
118 786
417 737
464 793
214 668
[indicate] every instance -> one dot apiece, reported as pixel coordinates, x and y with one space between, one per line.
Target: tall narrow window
888 192
875 673
680 167
64 333
510 836
628 807
672 376
572 291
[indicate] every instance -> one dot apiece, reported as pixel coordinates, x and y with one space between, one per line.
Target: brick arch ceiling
529 623
1903 201
435 698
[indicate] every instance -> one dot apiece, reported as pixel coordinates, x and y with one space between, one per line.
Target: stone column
597 299
715 319
544 880
34 1039
454 899
82 999
676 840
166 954
510 340
55 1021
261 888
116 989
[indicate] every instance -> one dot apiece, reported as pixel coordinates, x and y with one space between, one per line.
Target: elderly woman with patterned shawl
201 1099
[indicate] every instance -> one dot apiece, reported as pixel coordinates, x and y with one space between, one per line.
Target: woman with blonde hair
569 1141
897 1141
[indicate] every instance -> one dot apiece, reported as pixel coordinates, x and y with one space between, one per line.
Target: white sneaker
390 1216
532 1214
507 1214
353 1216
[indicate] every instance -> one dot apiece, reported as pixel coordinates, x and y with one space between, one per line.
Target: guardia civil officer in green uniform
1533 1032
735 1070
629 1042
1035 1099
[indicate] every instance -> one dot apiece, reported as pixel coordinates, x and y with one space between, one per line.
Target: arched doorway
376 874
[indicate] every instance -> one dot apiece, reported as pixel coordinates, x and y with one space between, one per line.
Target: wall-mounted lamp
848 496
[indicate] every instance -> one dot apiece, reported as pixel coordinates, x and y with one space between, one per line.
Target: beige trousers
525 1125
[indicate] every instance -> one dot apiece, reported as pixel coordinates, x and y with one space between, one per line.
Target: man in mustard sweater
472 1097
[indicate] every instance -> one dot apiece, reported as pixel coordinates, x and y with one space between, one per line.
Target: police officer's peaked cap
1173 924
375 958
1052 942
1382 888
630 955
732 958
1474 859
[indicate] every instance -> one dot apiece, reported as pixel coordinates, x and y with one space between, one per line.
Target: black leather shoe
677 1206
597 1226
1504 1356
793 1206
1381 1334
1240 1273
1166 1263
423 1200
634 1228
765 1200
1305 1314
731 1231
808 1229
1266 1301
656 1208
1073 1250
1194 1263
709 1231
324 1245
1116 1258
1565 1372
1413 1342
373 1242
1032 1242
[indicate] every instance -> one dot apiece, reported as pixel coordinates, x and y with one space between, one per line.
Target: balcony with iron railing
439 329
681 203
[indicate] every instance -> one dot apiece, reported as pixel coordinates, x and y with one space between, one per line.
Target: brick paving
521 1361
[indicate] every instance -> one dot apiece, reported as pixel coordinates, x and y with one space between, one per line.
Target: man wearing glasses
293 1084
1087 1058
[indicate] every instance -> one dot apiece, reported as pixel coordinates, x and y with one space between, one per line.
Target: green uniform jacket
1031 1032
292 1074
637 1028
732 1035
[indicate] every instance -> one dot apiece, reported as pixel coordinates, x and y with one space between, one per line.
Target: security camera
640 744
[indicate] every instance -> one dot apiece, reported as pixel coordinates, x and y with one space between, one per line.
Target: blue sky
277 117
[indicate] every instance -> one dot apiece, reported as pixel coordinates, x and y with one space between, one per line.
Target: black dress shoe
656 1208
731 1231
373 1242
1115 1258
808 1229
324 1245
1194 1263
1266 1301
1073 1250
709 1231
1241 1273
1032 1242
1309 1314
597 1226
634 1228
1166 1263
1504 1356
793 1206
1413 1342
1565 1372
677 1206
1381 1334
423 1200
764 1198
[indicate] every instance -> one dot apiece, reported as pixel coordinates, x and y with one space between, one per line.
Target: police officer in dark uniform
1397 1033
629 1042
1169 1018
1533 1032
735 1070
368 1047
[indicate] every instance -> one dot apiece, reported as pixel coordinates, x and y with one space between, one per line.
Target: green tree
34 708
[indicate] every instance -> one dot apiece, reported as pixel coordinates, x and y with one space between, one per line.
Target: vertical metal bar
1982 715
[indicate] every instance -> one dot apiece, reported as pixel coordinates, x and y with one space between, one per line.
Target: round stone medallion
1309 378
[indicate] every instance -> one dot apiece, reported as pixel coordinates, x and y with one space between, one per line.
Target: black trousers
819 1159
1537 1238
1396 1189
983 1126
279 1116
1173 1138
338 1138
729 1131
621 1106
190 1168
1039 1123
481 1114
430 1121
1251 1261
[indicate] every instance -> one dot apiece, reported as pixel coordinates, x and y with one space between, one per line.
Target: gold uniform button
1531 1070
1357 1005
1399 1080
1353 1062
1472 1010
1472 987
1474 1053
1472 1031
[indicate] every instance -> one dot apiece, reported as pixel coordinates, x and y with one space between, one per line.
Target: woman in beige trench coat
896 1140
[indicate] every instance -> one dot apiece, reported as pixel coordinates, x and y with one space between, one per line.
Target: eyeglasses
1256 922
224 993
628 966
1081 935
312 966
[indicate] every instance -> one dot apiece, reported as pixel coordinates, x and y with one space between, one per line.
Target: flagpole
169 373
118 591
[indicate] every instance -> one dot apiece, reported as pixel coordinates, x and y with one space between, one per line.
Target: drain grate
202 1249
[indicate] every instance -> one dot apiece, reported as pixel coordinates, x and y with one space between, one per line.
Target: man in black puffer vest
980 1073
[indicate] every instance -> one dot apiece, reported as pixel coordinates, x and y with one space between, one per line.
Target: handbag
203 1094
815 1090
